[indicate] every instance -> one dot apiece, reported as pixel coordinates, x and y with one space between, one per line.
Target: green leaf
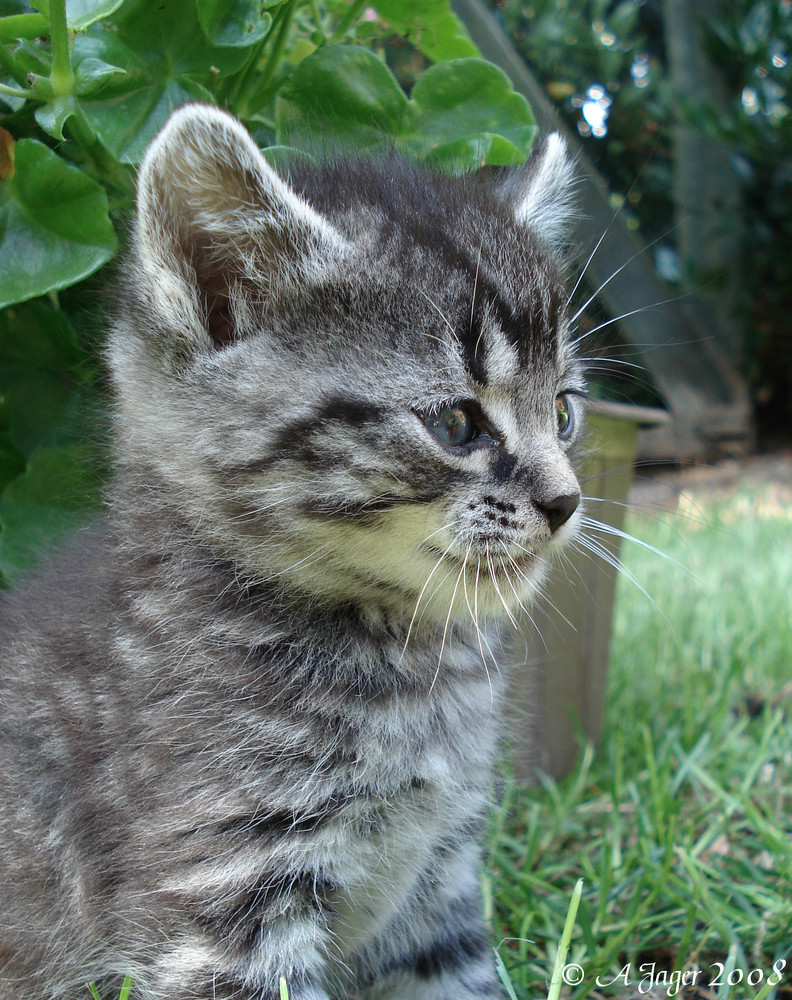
238 23
473 151
80 14
10 7
29 58
126 124
468 97
344 93
54 227
47 408
624 20
54 115
39 335
168 61
92 74
462 113
57 493
12 464
22 25
284 157
430 25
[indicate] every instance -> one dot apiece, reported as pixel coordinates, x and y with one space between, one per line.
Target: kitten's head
357 380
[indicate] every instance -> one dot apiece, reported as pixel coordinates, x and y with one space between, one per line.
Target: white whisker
609 529
632 312
494 578
473 300
596 548
423 591
592 255
440 312
481 638
448 619
618 270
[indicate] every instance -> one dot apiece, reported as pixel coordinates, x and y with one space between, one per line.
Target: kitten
247 726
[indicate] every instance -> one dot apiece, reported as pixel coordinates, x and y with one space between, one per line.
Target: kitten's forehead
489 314
445 259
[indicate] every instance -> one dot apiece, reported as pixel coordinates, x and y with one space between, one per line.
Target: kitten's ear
217 227
542 193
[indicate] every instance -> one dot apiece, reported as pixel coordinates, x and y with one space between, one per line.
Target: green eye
452 427
564 418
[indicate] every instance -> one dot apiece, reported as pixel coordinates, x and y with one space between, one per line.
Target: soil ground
668 487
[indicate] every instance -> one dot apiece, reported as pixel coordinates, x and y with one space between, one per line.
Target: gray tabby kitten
247 727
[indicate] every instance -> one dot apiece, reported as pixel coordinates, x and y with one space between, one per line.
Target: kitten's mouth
497 567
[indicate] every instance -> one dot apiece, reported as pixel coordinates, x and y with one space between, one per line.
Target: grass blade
503 975
566 938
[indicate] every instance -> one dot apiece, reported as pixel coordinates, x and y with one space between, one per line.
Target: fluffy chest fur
247 729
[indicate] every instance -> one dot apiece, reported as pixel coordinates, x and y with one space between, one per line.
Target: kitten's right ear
542 193
216 226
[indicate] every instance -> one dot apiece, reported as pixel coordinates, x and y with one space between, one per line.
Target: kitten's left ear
216 226
542 193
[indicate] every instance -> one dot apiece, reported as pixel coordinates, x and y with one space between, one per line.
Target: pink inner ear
212 210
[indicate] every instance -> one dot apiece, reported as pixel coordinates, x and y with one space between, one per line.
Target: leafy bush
86 84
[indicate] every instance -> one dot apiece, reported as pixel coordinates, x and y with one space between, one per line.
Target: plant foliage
84 87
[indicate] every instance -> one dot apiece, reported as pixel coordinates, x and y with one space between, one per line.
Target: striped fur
247 726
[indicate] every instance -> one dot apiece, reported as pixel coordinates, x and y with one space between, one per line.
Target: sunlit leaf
465 97
238 23
462 113
430 25
474 151
82 13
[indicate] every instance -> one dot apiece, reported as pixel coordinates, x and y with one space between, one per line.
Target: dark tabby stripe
240 918
294 438
362 512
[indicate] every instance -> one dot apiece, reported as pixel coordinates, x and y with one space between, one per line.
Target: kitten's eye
453 427
565 421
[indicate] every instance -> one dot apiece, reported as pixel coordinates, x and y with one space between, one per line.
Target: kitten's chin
479 588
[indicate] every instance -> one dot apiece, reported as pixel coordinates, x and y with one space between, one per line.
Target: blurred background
683 109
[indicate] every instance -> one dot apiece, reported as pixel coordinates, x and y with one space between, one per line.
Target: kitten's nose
559 510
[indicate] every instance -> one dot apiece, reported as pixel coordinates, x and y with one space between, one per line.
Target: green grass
126 989
681 822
